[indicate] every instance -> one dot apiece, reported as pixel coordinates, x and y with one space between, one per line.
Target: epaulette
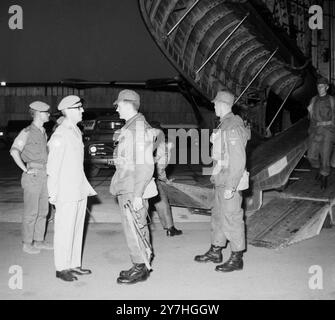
27 129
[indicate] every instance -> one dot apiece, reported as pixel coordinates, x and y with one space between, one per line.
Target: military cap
322 80
224 96
39 106
128 95
70 102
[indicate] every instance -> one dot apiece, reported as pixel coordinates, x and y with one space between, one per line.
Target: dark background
97 40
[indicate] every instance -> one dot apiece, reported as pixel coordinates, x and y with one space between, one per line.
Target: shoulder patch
233 134
56 140
26 129
55 143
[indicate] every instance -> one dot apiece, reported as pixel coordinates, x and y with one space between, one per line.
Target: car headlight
1 133
93 149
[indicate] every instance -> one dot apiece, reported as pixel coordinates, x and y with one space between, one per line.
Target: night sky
96 40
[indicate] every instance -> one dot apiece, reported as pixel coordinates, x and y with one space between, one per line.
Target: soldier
68 190
321 131
29 151
162 152
229 177
134 170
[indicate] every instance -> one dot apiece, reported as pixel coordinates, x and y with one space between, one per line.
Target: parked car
101 142
90 116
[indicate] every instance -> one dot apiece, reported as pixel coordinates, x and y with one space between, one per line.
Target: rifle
135 226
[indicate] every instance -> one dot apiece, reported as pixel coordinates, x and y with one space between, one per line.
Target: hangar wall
165 107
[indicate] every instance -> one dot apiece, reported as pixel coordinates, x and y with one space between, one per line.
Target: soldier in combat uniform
134 171
162 154
321 131
229 177
29 151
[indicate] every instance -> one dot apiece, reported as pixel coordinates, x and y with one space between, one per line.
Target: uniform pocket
29 181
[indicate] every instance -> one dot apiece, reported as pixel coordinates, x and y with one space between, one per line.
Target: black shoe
324 182
214 254
80 272
66 275
173 232
234 263
126 273
139 273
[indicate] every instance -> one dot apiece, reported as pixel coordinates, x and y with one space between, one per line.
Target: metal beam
257 74
289 93
220 46
182 18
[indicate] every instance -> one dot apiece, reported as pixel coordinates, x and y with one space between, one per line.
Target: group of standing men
56 175
53 172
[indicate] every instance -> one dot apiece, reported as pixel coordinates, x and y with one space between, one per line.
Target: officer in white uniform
68 189
29 151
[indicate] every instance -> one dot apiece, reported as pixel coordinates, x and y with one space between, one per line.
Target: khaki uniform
321 133
134 170
68 190
228 153
32 145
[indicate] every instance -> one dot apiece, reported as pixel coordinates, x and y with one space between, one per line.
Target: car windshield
109 124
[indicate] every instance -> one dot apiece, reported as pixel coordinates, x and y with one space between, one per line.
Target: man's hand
169 181
137 203
166 180
228 194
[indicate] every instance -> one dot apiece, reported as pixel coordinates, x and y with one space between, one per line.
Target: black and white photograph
177 151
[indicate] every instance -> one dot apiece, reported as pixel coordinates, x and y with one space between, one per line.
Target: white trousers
68 234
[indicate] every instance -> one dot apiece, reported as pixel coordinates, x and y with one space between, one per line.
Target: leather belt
36 165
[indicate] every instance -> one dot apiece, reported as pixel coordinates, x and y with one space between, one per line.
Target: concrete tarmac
305 270
289 273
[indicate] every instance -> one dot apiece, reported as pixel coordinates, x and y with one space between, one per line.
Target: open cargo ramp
300 211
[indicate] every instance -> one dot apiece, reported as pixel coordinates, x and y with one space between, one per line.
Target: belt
36 165
325 123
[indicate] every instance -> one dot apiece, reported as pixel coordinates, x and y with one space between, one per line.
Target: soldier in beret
68 190
29 151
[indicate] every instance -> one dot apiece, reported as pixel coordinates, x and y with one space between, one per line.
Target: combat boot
138 273
324 182
234 263
214 254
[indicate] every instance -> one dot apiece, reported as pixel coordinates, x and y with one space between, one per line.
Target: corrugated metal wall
166 107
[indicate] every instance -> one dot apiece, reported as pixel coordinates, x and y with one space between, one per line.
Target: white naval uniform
68 190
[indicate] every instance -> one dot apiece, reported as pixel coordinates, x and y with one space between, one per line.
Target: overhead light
3 83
